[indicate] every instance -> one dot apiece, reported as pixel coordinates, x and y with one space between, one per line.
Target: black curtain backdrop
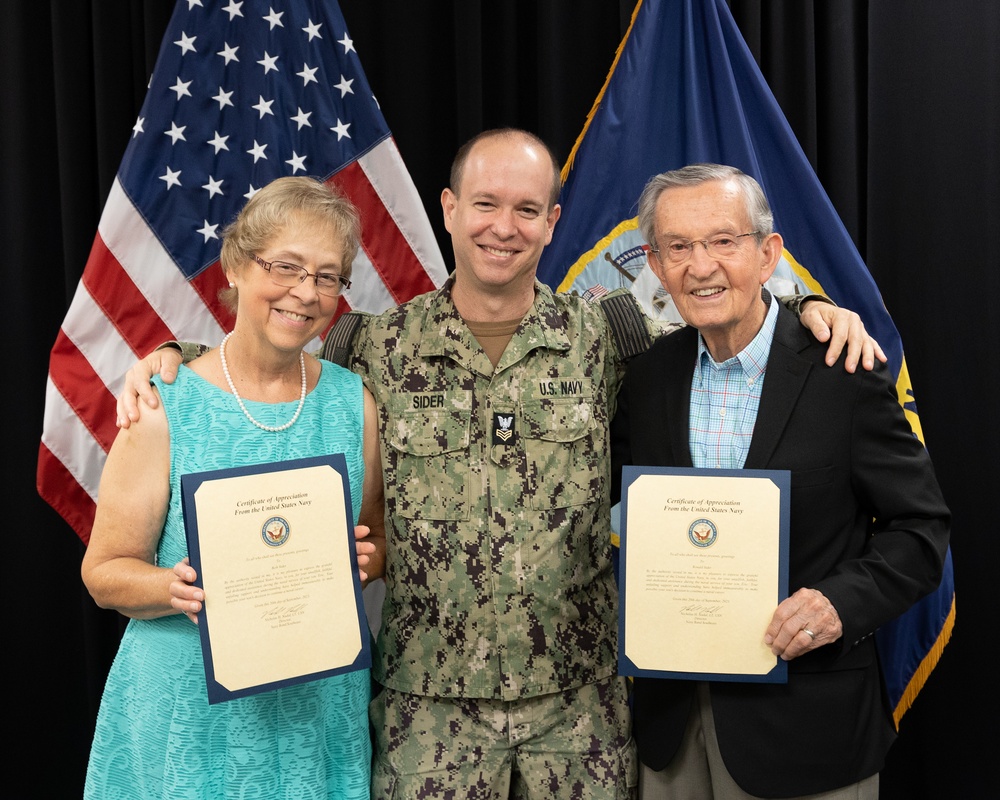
897 105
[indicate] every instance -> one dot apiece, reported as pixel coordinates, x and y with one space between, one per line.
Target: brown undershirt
493 337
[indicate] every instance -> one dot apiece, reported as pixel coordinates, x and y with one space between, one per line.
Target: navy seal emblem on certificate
275 532
703 533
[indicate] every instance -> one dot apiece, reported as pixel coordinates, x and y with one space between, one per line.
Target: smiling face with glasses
711 265
289 289
722 245
285 273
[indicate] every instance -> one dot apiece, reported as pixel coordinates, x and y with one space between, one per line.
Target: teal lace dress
156 736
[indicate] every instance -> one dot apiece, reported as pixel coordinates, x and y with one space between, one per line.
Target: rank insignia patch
503 428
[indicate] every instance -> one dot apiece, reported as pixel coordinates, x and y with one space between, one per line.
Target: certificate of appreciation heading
704 563
273 546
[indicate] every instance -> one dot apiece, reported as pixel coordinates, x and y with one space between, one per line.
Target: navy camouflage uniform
500 613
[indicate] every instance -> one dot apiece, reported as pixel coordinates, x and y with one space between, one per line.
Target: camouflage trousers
573 745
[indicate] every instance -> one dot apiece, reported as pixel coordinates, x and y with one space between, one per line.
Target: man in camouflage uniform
497 645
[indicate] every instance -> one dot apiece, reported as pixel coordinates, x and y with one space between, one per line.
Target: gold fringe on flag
923 671
600 95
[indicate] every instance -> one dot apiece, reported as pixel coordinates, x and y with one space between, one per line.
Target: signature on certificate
699 610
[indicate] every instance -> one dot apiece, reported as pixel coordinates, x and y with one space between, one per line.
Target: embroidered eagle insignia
503 428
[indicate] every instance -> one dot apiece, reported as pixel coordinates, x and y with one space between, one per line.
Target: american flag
241 94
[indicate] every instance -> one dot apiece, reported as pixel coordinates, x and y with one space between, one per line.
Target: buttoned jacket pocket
429 457
565 465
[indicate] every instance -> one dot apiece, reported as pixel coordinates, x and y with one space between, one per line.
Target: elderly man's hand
801 623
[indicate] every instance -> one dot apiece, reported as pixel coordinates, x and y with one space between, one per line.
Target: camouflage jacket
499 558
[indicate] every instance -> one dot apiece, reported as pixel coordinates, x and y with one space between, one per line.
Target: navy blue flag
243 92
684 88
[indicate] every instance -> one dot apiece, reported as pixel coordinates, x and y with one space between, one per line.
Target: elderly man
745 387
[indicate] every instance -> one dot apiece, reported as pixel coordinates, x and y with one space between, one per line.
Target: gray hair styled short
759 213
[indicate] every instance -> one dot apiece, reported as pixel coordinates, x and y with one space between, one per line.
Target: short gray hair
758 210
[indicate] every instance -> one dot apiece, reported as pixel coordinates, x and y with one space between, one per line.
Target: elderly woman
258 397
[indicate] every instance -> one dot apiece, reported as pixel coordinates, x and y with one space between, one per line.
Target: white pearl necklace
232 388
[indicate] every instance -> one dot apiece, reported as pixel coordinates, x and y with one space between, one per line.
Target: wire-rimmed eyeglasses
284 274
723 245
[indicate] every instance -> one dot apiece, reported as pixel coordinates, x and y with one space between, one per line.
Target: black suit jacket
869 529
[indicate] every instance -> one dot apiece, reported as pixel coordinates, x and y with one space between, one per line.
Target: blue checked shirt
725 398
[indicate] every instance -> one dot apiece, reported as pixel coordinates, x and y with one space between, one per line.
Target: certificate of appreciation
704 563
273 546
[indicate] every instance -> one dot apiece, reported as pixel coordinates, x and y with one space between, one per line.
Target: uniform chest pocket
565 459
428 436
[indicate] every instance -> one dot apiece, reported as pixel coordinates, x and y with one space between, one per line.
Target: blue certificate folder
701 527
263 526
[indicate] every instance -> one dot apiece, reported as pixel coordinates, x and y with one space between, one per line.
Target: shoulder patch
627 324
339 342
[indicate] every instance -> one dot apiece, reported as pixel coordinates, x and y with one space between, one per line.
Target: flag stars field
213 187
208 231
312 30
233 9
181 88
153 273
308 74
274 18
176 133
224 46
257 151
341 129
269 62
228 53
221 42
297 162
264 107
172 178
344 86
218 142
186 43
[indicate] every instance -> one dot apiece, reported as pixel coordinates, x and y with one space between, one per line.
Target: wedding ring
809 633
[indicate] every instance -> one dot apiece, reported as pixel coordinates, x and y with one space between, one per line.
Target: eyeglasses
285 274
722 246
